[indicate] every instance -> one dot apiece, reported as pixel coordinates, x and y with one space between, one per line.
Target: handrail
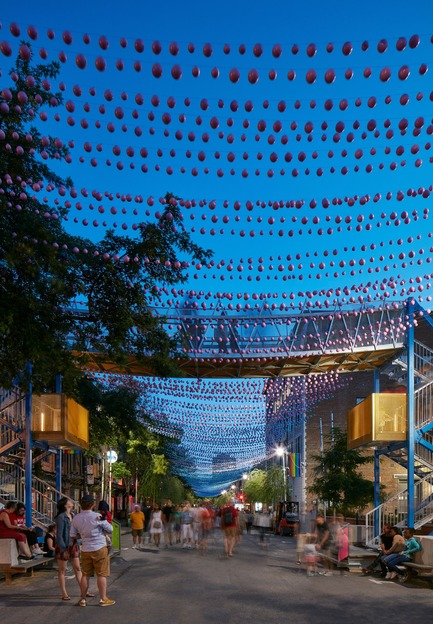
44 495
396 515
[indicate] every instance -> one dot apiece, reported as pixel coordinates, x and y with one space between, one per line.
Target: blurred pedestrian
310 554
323 543
167 512
186 525
229 524
156 524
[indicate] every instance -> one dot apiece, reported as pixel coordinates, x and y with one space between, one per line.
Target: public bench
10 564
421 565
356 561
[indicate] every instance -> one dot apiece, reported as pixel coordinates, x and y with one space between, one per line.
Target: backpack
228 517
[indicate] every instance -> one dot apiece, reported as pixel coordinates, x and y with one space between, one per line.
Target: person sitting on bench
9 530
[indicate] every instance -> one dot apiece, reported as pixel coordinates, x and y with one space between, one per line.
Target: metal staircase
12 474
394 510
12 420
44 495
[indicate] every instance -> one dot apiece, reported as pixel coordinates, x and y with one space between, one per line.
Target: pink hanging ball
81 61
139 45
385 74
32 32
103 42
5 48
311 76
234 74
347 48
277 50
253 76
330 76
174 48
207 50
100 63
15 29
156 70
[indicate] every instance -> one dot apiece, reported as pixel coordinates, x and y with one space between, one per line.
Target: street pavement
181 586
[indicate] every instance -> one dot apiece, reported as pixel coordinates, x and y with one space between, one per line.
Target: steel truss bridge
265 343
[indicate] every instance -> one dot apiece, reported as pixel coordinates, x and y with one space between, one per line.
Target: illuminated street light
280 451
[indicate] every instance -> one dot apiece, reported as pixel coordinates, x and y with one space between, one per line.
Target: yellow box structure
60 421
377 421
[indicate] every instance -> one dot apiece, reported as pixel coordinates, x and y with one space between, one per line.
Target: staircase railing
394 510
12 418
44 495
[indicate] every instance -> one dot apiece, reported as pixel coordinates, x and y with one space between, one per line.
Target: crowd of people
187 525
83 540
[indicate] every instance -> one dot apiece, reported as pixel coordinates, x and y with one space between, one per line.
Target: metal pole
103 477
28 449
410 337
376 381
332 427
109 482
376 518
284 475
59 455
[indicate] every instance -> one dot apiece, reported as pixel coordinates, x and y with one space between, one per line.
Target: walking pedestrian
186 525
229 524
167 512
137 526
95 559
156 524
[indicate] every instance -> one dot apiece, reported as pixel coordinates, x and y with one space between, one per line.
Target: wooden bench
421 565
10 564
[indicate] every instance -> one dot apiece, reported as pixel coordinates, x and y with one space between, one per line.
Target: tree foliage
43 269
265 486
337 477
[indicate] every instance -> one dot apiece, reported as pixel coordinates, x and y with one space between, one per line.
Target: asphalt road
181 586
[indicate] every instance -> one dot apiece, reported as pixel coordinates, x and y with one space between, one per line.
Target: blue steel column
59 453
376 520
28 464
410 337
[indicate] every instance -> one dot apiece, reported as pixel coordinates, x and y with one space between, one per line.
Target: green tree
43 268
265 486
337 477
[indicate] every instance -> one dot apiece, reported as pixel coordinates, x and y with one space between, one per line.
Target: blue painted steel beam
28 465
59 454
410 339
376 491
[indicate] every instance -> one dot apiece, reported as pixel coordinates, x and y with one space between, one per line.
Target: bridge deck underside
296 364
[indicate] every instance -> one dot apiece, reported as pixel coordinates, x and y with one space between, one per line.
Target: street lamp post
281 452
111 459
